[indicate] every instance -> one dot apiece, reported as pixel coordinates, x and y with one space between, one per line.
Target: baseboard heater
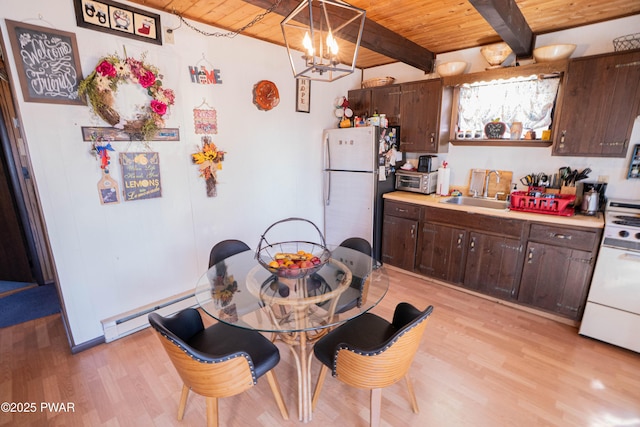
132 321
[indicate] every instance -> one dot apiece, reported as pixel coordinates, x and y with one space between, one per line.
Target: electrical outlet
168 36
603 178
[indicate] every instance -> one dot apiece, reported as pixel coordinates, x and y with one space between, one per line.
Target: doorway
25 255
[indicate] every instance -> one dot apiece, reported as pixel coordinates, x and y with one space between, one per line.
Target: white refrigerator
355 178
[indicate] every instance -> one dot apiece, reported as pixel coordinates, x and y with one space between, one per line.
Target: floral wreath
101 86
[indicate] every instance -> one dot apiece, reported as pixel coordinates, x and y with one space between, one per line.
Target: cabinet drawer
472 221
566 237
402 210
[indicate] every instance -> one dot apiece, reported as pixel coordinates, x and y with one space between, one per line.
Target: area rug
12 286
29 304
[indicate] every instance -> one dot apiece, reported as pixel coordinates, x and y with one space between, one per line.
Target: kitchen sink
477 202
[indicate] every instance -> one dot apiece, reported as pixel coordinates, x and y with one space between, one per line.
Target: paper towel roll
444 174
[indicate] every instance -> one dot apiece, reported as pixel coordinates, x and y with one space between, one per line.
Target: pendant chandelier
311 32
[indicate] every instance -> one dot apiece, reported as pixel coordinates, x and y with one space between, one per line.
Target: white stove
622 224
612 313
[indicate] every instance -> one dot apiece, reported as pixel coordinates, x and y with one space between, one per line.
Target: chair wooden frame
379 369
226 378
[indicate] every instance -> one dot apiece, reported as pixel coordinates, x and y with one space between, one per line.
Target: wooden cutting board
503 186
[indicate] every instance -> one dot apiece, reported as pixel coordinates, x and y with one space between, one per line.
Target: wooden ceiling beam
375 37
506 18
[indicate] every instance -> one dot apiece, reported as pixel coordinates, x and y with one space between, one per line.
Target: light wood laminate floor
480 364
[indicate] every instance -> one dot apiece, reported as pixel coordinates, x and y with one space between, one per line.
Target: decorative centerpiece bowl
295 258
453 68
495 54
554 52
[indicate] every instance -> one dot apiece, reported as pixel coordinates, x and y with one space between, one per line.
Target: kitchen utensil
563 172
584 174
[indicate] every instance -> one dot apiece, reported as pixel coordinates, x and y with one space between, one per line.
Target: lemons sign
140 175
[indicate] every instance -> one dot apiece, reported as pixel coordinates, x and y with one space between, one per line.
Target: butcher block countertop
433 200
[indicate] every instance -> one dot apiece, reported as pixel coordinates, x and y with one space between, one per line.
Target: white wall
115 258
590 40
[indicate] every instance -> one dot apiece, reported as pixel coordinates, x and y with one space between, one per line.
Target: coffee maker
589 206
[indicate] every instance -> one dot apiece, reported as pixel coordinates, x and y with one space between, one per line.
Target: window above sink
486 105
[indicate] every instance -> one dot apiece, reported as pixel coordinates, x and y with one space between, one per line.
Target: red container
551 204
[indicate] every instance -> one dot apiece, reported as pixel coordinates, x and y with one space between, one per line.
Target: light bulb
306 42
332 45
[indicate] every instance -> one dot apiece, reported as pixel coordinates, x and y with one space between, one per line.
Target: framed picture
115 18
47 62
303 95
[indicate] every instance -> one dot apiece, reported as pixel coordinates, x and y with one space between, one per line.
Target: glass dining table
242 292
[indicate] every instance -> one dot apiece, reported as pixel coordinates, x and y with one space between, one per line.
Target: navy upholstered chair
369 352
217 361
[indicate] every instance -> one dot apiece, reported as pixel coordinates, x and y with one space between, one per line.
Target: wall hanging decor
205 119
107 186
303 95
115 18
201 75
265 95
141 176
209 159
113 134
47 62
101 87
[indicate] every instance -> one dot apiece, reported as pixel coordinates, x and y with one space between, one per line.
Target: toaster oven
417 182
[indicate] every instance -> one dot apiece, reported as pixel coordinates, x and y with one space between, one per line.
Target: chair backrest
358 244
361 266
206 374
225 249
389 362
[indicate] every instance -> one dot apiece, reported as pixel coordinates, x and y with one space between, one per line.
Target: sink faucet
486 183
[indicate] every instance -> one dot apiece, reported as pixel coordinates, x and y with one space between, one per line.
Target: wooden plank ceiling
429 27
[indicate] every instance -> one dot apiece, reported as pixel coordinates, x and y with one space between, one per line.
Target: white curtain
529 102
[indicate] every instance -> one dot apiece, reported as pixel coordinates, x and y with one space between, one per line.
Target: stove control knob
638 236
623 233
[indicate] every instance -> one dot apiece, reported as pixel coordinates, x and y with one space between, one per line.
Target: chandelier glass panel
322 38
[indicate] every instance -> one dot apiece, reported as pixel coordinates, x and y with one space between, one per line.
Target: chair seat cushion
366 332
221 339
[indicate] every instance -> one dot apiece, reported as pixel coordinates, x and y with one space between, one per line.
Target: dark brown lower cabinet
492 265
441 252
400 234
555 279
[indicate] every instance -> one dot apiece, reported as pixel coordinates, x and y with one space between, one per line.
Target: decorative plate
265 95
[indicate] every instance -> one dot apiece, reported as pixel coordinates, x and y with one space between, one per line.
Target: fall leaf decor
101 86
209 158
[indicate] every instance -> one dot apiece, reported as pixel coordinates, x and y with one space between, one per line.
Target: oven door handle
630 257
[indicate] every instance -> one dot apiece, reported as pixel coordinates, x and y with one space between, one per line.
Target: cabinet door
600 100
360 102
399 242
386 100
555 279
441 252
492 265
420 116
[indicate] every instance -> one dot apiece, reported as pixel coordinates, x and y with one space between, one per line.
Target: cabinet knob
530 256
432 138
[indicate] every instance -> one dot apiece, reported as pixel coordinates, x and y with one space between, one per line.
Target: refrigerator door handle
326 152
327 188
